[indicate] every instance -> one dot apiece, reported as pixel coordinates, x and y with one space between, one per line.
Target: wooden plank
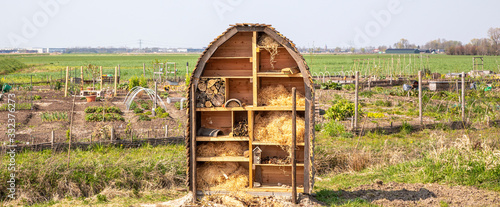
222 159
250 149
280 165
229 77
193 142
226 58
271 188
252 108
294 142
220 139
279 75
228 67
273 144
238 45
255 68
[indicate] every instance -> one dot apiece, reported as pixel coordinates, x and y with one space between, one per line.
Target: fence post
144 69
66 83
420 96
100 71
112 133
463 97
116 79
119 73
81 75
166 131
294 139
356 101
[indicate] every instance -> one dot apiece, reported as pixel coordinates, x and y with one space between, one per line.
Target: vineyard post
81 75
463 97
100 71
356 101
66 82
116 78
420 96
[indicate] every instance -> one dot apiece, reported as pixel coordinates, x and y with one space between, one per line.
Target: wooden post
294 139
116 79
100 71
112 133
81 75
420 96
166 131
144 69
119 73
356 101
463 97
52 139
192 110
155 100
66 82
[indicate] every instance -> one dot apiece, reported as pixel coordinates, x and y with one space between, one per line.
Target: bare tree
494 34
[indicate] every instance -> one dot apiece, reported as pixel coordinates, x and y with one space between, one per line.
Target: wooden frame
235 56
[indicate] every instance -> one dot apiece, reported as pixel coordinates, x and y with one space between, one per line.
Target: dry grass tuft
222 175
278 95
212 149
276 127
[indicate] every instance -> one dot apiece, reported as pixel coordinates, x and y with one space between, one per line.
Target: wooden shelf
223 159
220 138
227 77
262 47
225 58
278 75
274 188
279 165
251 108
272 144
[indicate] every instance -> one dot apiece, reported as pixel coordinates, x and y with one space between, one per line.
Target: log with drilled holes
210 93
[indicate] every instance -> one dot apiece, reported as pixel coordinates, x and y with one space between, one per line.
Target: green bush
143 117
334 128
138 110
133 82
133 105
145 105
349 87
58 86
331 85
37 97
406 128
143 82
385 103
113 109
341 109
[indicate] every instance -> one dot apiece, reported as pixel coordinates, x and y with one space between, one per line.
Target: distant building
52 50
402 51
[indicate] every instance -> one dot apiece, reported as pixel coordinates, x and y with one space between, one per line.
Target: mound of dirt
402 194
239 199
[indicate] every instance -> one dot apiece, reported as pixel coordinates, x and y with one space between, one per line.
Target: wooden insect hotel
241 108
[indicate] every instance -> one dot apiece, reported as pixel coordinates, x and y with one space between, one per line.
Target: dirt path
402 194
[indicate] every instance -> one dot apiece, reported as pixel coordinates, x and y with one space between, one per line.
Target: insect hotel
241 112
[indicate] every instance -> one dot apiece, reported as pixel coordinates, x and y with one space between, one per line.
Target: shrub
138 110
331 85
406 128
178 105
37 97
145 105
148 113
143 117
143 82
334 128
341 109
317 127
385 103
133 82
133 105
113 109
349 87
58 86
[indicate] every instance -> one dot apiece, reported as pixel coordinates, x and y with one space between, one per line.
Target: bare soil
403 194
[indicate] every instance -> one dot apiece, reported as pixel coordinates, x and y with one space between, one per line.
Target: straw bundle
276 127
212 149
278 95
223 175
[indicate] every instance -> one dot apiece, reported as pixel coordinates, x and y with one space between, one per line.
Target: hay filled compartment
256 68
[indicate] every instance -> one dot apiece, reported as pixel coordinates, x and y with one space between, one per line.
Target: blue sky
190 23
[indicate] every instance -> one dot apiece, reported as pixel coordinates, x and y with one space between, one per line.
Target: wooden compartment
274 175
228 67
240 88
281 60
216 120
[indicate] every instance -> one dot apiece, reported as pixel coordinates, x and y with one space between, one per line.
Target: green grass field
131 64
